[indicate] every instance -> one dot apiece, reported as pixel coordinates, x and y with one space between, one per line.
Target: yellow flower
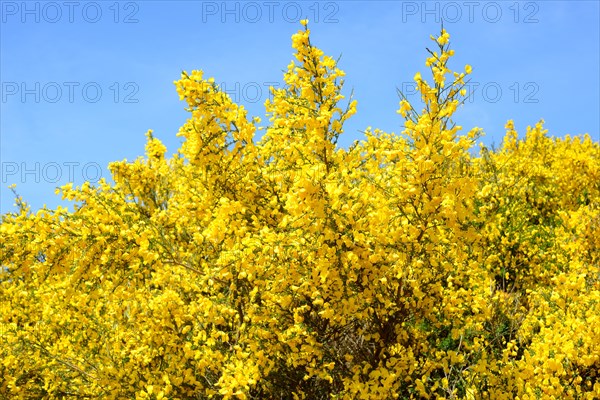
443 38
246 256
404 107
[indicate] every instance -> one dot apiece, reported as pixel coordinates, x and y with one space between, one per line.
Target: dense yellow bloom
287 267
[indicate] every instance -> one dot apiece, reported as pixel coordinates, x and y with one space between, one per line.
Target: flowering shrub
287 267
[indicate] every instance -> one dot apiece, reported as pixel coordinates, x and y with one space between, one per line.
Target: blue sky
83 81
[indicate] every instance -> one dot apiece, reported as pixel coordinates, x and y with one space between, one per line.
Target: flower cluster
284 266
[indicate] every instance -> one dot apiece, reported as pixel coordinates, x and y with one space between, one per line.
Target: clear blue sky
83 81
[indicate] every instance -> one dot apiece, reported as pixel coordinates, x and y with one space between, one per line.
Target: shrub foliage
270 263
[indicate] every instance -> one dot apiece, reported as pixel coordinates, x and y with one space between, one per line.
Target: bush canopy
267 262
